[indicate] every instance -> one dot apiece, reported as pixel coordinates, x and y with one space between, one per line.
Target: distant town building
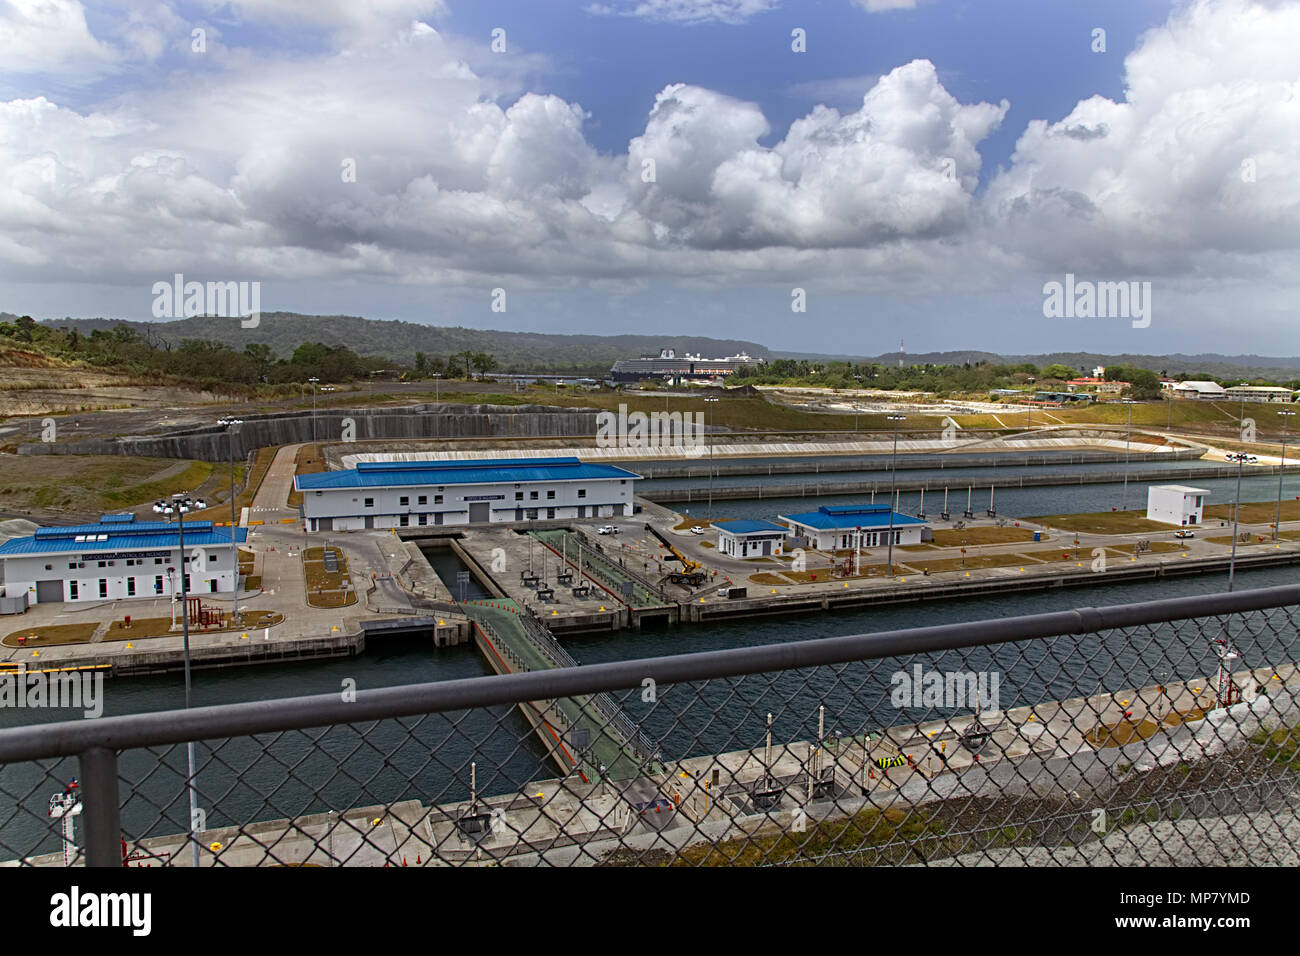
833 527
667 365
118 558
404 494
1259 393
1098 386
1176 504
746 539
1201 390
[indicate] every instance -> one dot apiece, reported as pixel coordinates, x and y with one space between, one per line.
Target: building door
51 591
767 548
324 524
370 521
480 512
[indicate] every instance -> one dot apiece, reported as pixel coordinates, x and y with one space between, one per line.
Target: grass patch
51 635
326 588
1282 746
1256 512
1120 733
949 538
769 579
1103 522
305 464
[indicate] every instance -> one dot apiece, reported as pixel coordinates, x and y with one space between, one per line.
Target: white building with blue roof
119 557
404 494
835 527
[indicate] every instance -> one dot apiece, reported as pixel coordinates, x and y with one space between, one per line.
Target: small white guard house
118 558
750 539
1176 504
404 494
835 527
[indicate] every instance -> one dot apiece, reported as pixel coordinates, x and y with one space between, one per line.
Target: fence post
100 814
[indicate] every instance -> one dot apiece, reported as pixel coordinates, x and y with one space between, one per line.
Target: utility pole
711 402
1277 522
179 504
1123 501
893 476
315 450
1239 458
230 424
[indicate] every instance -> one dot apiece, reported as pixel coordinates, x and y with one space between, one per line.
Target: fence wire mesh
1174 742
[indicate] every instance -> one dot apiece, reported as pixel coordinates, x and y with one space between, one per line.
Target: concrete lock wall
211 443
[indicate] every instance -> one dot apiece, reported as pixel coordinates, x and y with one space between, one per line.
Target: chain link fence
1161 733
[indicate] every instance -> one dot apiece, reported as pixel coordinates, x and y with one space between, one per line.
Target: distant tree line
213 364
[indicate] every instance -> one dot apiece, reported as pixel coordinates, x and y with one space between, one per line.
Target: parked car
696 529
607 529
1184 534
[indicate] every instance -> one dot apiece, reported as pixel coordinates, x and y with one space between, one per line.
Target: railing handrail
295 713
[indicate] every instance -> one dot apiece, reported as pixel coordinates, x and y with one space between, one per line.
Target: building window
157 583
188 587
437 499
103 564
582 492
103 588
404 521
212 559
423 500
130 587
73 591
424 519
550 512
550 494
404 501
157 560
72 565
212 585
49 567
519 496
370 502
532 496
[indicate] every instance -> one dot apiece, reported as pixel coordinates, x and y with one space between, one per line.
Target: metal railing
1162 732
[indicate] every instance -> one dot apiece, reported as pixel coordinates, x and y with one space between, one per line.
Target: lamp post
1123 501
1240 458
711 402
893 475
1277 522
315 451
436 376
230 424
178 504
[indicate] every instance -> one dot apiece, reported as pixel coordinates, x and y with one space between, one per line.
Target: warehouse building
835 527
404 494
750 539
1176 504
1259 393
118 558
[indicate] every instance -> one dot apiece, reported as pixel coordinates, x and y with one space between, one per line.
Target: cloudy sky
918 168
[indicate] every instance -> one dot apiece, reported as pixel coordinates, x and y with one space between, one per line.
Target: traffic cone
417 859
403 861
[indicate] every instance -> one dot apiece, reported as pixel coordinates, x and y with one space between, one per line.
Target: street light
179 504
1123 501
1240 458
711 402
893 475
1277 523
315 451
230 424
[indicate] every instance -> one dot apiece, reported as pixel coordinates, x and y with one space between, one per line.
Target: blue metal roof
143 527
123 518
749 527
382 474
842 517
123 538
